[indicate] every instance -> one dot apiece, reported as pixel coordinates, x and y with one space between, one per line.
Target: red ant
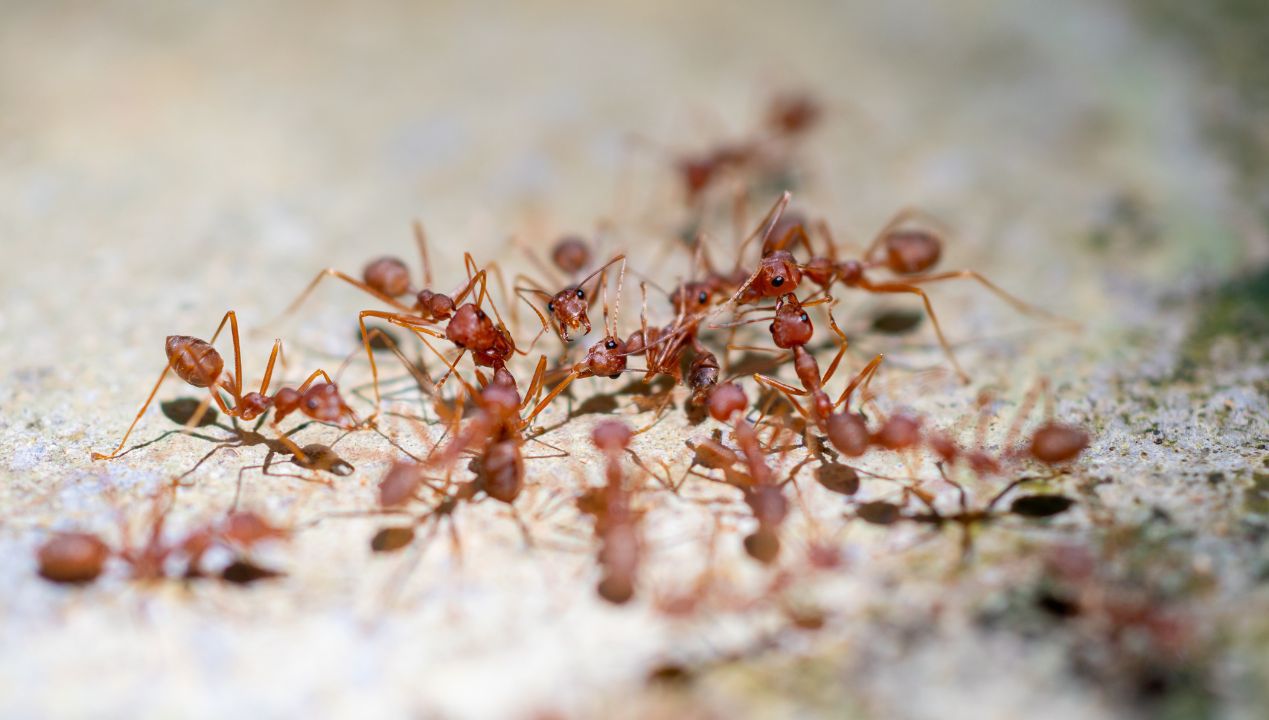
199 364
616 522
566 309
909 253
80 557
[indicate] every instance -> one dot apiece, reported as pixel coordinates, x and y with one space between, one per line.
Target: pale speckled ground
160 166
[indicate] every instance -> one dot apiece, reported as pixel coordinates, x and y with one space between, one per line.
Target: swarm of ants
759 434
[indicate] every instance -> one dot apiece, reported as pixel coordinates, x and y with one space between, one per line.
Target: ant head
388 275
471 328
253 405
702 376
912 251
697 173
726 400
792 326
778 273
568 309
611 436
692 297
323 403
501 471
434 305
1056 443
793 113
194 361
607 357
571 254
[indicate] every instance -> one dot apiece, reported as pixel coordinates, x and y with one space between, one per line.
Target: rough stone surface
162 165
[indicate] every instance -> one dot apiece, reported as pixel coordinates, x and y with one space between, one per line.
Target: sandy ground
163 165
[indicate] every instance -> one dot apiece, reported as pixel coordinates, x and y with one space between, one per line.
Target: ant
80 557
468 327
616 522
199 364
757 481
909 246
566 309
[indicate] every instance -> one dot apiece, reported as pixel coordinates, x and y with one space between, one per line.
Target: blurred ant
616 522
757 481
80 557
199 364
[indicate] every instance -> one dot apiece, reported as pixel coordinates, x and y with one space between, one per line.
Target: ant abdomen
388 275
571 254
848 433
74 557
1054 443
909 252
194 361
763 545
502 471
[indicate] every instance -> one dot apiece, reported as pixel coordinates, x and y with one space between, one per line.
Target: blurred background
163 162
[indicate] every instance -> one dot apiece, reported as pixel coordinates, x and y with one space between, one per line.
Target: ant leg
365 341
785 389
332 272
769 222
232 318
313 376
542 318
929 310
843 343
864 376
1024 409
268 369
144 407
536 384
1018 304
572 375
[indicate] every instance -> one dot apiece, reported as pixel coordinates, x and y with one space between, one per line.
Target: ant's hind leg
1015 302
144 407
929 310
332 272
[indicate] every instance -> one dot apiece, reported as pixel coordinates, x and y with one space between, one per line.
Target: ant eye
550 307
480 314
804 317
771 327
703 298
610 344
580 295
777 281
